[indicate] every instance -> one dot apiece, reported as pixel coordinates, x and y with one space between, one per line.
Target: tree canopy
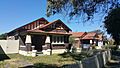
112 24
80 8
3 36
88 8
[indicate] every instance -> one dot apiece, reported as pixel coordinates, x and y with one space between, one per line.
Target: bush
74 50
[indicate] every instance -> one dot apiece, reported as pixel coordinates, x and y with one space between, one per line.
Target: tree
71 40
3 36
112 24
98 31
80 8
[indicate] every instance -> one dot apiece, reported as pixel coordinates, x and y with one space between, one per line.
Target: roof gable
41 25
54 25
78 34
90 36
35 24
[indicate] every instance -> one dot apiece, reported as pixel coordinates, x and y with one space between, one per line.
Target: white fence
97 61
9 46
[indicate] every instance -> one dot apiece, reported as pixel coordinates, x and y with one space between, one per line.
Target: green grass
54 60
2 63
47 61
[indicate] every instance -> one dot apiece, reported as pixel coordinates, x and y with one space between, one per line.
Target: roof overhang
46 33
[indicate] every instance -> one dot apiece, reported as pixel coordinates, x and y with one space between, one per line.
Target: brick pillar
48 44
28 43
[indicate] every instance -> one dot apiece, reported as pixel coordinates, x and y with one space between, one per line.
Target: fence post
97 61
109 55
81 66
104 58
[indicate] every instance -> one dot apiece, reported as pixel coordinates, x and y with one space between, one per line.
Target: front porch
38 41
43 44
87 43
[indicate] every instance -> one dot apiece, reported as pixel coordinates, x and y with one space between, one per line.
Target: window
61 39
54 39
57 39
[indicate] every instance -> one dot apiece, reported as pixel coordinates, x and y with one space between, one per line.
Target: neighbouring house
77 36
85 39
41 36
90 38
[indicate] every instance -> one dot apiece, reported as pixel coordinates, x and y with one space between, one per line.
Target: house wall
58 51
9 46
62 46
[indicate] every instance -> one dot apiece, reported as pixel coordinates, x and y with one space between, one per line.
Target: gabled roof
40 19
39 29
56 21
78 34
90 36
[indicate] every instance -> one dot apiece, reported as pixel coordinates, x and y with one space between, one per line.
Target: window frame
57 39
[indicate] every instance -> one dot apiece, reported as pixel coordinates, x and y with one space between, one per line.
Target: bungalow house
41 36
85 39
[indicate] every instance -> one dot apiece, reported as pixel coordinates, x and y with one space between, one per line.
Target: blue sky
15 13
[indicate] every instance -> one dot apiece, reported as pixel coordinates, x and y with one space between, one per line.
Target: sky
15 13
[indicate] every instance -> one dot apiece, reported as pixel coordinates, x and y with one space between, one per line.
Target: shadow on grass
115 52
113 65
42 65
80 56
3 56
75 56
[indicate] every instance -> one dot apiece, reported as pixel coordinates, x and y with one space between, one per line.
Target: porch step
39 53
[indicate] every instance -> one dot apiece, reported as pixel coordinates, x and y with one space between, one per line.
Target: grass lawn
55 60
